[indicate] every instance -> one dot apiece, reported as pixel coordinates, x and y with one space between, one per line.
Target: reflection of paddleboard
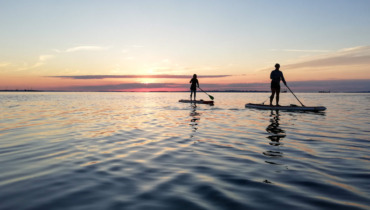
290 108
196 102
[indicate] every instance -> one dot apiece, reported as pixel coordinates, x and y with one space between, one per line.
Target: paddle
294 94
211 97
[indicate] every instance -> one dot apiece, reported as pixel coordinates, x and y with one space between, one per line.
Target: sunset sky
146 45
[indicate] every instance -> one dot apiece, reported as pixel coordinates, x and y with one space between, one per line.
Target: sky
157 45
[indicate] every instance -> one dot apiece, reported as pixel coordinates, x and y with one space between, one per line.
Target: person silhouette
275 76
193 88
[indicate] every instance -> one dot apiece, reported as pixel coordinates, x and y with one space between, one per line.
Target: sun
146 80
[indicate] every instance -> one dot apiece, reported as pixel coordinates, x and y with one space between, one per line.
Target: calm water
147 151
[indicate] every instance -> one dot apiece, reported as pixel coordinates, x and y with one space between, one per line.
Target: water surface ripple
147 151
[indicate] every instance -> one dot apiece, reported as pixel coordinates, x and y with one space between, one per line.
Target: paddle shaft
294 94
206 93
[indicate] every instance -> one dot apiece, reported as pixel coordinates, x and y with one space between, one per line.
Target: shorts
275 85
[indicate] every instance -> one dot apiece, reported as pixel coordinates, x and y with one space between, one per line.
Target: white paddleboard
289 108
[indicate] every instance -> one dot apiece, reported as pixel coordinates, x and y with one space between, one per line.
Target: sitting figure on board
275 76
193 88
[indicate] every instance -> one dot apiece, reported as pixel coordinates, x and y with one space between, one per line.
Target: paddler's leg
195 95
277 95
272 95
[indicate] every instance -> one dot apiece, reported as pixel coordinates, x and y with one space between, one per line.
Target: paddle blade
211 97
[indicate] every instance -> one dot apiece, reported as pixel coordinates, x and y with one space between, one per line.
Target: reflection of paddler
275 134
194 118
274 128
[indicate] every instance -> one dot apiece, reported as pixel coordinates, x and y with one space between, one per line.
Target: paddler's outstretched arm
282 78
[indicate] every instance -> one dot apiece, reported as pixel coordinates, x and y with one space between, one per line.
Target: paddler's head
194 76
277 66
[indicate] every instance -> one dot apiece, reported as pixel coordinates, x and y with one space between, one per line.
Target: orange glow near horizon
248 81
154 90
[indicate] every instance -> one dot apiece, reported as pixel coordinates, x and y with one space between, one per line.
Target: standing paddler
193 88
275 76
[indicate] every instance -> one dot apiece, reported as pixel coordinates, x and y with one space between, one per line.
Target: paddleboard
197 101
289 108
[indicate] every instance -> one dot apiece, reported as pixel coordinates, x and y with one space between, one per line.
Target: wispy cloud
355 56
345 57
82 48
43 58
125 86
41 61
4 64
301 50
162 76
